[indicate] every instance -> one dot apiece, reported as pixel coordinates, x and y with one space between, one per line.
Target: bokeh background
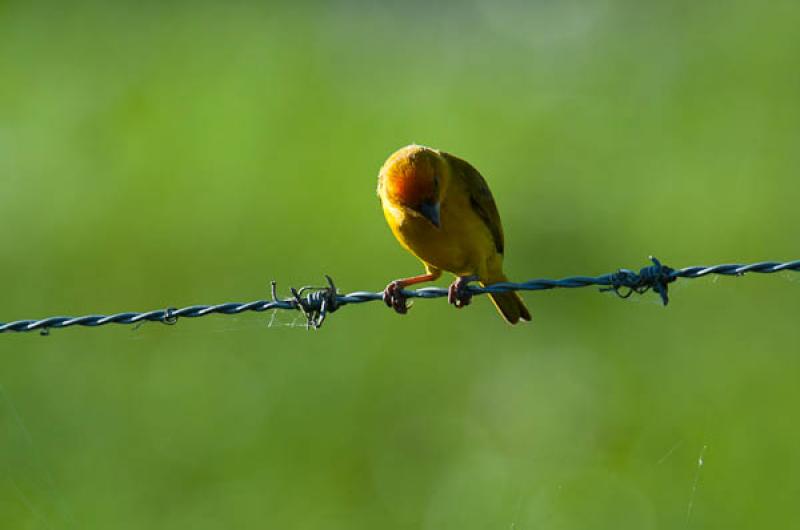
164 155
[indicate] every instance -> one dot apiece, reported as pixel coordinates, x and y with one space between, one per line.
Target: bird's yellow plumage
440 208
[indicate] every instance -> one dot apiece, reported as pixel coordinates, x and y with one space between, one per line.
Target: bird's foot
458 294
393 297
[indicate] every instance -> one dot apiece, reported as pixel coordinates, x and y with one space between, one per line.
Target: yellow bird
440 209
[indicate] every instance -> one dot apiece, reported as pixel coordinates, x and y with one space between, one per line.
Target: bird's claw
458 294
393 297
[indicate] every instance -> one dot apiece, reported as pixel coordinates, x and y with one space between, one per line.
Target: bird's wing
480 197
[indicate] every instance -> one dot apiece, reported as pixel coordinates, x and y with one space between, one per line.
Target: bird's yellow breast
462 245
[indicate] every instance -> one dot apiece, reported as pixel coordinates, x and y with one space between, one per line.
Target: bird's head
415 178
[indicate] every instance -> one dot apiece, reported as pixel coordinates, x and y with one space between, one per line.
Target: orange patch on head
410 175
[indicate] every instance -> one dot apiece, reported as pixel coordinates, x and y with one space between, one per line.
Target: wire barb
655 276
316 303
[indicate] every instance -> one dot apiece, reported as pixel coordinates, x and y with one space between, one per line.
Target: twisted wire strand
317 302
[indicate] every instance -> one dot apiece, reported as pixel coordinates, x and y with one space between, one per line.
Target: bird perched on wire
440 209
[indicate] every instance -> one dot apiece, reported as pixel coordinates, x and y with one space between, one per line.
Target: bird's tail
510 304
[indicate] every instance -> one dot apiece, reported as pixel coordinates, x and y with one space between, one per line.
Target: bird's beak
430 210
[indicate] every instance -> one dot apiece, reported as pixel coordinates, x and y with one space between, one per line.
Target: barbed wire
316 303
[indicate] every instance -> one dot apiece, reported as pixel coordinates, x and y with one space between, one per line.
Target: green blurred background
165 155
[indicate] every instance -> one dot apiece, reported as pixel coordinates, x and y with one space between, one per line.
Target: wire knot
625 282
317 304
